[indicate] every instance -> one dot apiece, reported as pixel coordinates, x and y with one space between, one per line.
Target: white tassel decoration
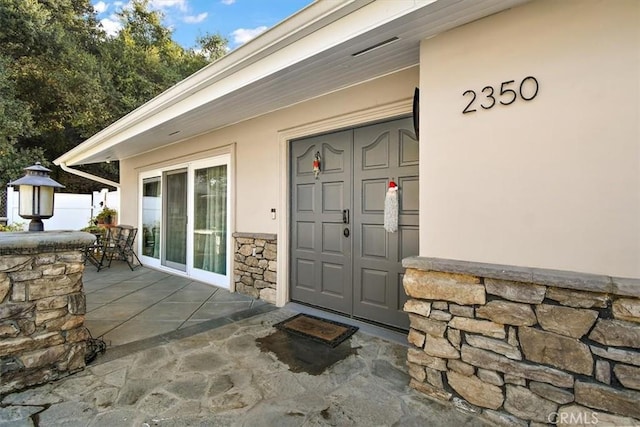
391 208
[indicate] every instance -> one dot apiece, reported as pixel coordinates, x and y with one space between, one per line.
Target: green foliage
16 226
13 160
213 46
51 46
106 214
94 229
15 117
62 79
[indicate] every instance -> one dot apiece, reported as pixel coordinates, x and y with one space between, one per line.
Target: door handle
345 216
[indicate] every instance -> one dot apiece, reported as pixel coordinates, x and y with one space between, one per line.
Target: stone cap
542 276
262 236
24 242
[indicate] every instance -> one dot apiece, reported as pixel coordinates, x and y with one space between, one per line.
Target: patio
181 353
125 306
138 309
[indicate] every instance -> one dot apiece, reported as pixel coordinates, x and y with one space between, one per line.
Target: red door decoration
316 164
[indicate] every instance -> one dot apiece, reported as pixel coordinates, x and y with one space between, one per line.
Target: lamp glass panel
25 196
46 201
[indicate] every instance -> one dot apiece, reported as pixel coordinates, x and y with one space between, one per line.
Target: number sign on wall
507 95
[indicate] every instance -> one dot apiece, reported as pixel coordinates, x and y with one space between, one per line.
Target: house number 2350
507 94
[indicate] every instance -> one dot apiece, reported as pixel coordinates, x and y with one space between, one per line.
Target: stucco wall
256 145
553 182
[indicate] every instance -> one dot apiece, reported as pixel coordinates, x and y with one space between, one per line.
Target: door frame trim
381 112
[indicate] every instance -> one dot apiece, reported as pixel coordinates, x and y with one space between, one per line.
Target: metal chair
122 246
98 253
117 243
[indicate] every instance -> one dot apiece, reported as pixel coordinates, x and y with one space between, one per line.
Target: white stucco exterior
257 160
553 182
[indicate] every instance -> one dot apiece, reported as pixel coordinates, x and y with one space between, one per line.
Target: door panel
383 152
210 220
321 255
360 275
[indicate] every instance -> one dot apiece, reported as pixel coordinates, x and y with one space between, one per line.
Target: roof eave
286 32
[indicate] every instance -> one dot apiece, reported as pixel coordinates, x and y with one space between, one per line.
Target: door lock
346 232
345 216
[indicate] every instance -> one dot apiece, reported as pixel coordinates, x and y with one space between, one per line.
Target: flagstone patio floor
183 353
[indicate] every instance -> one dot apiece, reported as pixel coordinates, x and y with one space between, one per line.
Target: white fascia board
203 87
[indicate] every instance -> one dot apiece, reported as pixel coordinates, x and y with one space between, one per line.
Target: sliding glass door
151 216
210 221
185 219
175 220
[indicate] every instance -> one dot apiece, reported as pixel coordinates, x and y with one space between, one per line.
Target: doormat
304 354
320 330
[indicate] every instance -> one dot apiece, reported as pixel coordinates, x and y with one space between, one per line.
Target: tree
144 59
15 117
51 45
62 79
213 46
15 121
13 160
49 50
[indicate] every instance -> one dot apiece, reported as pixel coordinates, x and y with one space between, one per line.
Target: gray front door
342 259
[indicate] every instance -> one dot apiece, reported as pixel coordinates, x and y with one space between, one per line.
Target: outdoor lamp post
36 195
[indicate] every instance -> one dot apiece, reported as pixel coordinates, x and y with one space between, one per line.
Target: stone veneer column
525 346
42 307
255 265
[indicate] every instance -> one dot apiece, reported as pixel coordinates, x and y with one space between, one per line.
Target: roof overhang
310 54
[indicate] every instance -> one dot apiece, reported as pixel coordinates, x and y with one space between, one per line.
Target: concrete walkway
211 371
125 306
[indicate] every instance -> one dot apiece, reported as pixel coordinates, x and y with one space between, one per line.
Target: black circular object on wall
416 112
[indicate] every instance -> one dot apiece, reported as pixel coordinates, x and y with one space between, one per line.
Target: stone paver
220 377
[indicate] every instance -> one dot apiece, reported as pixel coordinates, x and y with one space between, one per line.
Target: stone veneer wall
525 346
255 267
42 307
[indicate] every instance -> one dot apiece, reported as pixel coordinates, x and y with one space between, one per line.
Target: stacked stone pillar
525 346
255 265
42 307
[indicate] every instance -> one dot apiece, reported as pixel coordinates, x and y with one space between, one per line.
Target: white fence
70 211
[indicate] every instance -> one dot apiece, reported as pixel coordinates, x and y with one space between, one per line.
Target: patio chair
122 246
98 253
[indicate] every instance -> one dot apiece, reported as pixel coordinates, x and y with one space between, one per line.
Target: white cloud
111 26
243 35
228 2
190 19
100 7
166 4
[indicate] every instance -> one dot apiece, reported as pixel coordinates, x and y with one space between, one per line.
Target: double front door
342 259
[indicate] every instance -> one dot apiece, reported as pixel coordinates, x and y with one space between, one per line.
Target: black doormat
304 354
320 330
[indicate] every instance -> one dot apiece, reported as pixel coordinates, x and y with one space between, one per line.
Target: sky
237 20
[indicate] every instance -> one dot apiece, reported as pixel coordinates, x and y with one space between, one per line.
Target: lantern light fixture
36 195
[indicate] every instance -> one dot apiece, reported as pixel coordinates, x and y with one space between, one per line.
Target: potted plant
106 216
